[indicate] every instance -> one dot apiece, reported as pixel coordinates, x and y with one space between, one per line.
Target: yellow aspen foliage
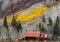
32 14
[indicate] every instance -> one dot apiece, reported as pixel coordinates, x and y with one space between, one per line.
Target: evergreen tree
57 21
5 22
43 18
56 28
19 27
42 29
6 25
39 26
50 21
14 23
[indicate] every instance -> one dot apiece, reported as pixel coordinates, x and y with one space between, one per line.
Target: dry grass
28 41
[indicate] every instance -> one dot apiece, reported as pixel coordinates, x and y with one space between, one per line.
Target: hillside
31 16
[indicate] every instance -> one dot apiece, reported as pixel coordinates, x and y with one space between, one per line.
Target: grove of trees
18 27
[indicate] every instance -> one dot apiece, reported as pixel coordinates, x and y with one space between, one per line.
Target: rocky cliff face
12 8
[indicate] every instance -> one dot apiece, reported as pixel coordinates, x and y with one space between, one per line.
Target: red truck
34 36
